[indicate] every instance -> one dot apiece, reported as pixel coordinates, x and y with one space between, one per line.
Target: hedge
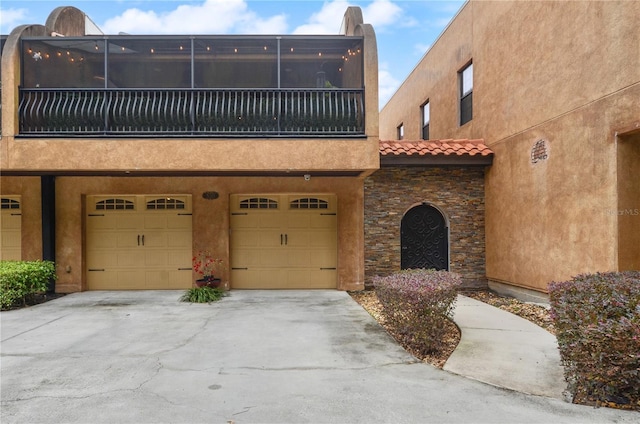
417 304
20 280
597 317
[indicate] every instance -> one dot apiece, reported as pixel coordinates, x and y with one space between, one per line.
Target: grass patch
203 295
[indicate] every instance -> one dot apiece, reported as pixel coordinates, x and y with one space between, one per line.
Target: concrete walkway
502 349
254 357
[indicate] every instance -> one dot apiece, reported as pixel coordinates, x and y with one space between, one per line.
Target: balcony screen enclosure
139 85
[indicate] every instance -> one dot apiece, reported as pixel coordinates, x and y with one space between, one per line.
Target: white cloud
12 18
382 13
408 22
326 21
387 84
379 13
210 17
234 16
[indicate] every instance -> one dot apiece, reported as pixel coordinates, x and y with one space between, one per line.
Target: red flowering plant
206 265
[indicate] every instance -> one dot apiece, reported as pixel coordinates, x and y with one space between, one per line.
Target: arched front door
424 239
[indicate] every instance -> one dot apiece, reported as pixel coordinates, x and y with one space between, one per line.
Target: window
466 94
258 203
309 203
426 117
165 203
115 205
10 204
400 131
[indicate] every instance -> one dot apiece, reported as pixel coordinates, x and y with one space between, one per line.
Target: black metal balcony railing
191 112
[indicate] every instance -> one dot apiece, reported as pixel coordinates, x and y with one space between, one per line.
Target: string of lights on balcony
38 55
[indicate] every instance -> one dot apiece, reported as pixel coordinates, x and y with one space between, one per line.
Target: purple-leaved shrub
418 303
597 317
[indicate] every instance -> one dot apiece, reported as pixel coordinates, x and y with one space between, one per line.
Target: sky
405 29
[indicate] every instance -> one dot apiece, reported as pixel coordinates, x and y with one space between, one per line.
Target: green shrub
597 317
203 294
20 280
418 303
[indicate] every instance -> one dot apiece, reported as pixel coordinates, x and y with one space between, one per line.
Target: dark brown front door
424 239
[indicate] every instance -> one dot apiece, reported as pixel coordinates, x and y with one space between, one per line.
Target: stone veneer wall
457 191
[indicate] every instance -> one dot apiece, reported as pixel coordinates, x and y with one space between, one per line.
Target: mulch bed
369 301
535 313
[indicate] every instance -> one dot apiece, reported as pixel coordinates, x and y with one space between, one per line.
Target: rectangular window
400 131
426 117
466 94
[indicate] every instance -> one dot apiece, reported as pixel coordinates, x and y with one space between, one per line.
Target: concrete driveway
254 357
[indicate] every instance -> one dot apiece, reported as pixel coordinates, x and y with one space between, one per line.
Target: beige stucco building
511 154
553 89
123 156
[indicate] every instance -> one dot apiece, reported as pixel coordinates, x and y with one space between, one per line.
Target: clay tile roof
446 152
448 147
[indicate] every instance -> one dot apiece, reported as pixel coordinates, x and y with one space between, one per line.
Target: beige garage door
283 241
11 226
138 242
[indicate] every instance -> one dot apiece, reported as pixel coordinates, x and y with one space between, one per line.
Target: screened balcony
243 86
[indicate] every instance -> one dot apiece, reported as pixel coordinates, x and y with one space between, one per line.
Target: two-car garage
277 241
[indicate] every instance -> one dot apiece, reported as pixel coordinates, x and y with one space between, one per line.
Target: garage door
283 241
138 242
11 226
